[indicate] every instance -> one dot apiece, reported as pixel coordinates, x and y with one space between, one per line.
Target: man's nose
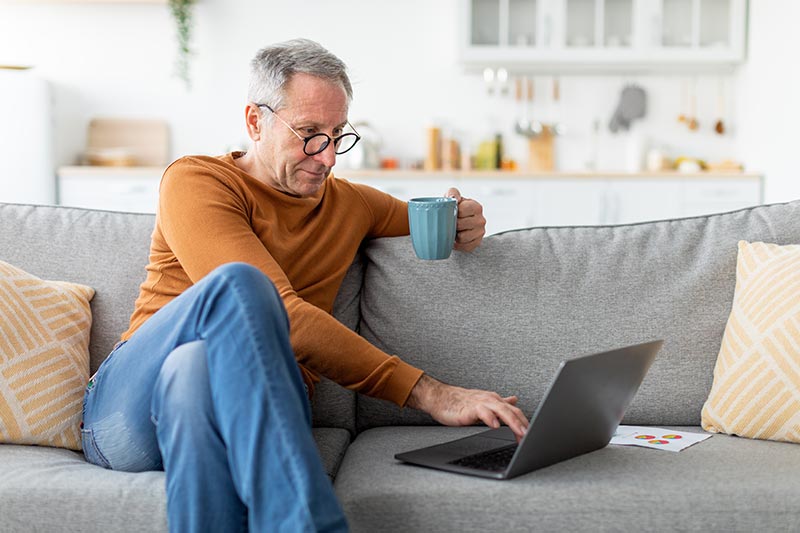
328 156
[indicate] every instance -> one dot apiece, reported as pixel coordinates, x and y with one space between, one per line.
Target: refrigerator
27 167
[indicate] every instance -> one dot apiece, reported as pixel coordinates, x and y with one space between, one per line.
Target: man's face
311 105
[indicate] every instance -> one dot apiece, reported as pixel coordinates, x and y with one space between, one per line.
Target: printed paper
658 438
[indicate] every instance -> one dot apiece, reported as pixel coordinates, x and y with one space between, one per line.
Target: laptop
579 414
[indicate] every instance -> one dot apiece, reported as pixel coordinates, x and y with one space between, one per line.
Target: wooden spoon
692 118
684 91
719 127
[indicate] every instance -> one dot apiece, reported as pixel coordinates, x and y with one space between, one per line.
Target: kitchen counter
526 175
460 174
87 170
511 199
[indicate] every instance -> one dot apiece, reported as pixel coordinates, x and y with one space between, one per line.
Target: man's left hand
471 226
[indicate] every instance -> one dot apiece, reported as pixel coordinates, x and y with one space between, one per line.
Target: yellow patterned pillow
756 389
44 358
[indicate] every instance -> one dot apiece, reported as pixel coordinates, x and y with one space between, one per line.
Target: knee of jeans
243 271
249 276
182 389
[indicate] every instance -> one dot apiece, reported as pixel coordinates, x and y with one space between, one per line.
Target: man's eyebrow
319 125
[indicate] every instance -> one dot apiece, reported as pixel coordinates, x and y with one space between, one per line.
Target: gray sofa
499 318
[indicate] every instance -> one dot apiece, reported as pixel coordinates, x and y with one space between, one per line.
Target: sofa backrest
108 251
504 316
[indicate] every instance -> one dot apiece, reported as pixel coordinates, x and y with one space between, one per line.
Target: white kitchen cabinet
133 189
406 189
520 200
701 197
507 204
628 200
510 200
570 202
694 31
620 35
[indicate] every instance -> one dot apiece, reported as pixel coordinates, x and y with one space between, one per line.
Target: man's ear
252 118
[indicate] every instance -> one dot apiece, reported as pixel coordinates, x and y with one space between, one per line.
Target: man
232 326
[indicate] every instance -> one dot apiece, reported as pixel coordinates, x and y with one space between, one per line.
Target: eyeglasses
318 142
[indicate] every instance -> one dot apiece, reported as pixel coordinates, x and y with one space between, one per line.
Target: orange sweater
210 212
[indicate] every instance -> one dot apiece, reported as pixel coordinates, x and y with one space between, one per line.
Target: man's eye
338 132
309 131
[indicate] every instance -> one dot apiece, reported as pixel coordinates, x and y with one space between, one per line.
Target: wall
768 104
107 59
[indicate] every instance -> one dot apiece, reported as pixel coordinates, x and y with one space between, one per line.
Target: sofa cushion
44 358
108 251
52 489
504 316
721 484
756 389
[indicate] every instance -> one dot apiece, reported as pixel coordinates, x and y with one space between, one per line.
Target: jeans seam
297 473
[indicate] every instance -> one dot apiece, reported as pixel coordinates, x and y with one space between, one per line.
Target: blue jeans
209 390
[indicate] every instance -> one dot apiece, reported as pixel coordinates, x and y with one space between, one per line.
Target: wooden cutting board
145 142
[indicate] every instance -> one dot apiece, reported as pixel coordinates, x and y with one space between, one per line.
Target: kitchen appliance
27 170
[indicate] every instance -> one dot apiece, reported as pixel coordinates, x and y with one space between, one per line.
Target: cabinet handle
502 192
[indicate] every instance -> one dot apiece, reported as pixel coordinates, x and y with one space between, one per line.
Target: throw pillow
44 358
756 388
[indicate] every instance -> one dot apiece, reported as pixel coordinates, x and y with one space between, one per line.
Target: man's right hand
456 406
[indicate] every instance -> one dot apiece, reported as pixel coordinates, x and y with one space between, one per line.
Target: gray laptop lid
579 413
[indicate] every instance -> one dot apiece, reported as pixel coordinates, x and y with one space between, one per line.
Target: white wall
117 60
768 104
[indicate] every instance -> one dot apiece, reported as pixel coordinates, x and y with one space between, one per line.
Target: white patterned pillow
44 358
756 389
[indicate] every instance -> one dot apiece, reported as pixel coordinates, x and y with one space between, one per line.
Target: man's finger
488 417
452 192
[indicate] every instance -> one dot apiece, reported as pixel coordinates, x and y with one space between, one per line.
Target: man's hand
455 406
471 226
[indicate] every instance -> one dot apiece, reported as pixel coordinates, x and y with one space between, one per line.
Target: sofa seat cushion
332 444
722 483
53 489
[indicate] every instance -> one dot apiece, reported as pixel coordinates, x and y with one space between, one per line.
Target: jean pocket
90 449
114 443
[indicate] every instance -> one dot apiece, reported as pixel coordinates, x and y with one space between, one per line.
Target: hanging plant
182 13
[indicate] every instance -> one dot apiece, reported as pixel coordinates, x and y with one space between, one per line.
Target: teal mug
432 222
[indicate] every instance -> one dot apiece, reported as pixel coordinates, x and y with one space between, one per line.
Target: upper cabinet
623 35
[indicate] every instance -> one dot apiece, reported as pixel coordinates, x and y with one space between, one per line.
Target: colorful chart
672 437
645 437
658 441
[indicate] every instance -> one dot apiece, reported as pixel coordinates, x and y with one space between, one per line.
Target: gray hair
273 67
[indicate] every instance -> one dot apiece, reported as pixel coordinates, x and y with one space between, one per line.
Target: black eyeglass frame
324 146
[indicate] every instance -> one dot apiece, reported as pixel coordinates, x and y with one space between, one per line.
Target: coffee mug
432 222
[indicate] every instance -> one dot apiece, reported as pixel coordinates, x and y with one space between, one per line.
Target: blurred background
472 92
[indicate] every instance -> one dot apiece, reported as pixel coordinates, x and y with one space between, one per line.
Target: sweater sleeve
389 215
206 223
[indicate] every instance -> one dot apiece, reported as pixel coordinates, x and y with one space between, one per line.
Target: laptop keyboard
494 460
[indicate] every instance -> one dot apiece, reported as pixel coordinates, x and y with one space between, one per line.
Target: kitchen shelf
110 171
